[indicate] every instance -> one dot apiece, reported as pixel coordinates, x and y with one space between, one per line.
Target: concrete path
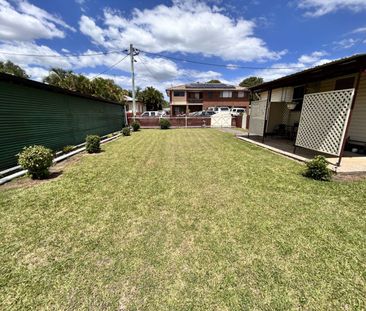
234 131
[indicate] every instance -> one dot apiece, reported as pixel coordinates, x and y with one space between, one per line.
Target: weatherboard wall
30 116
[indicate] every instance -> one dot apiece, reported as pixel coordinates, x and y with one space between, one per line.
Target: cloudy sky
180 41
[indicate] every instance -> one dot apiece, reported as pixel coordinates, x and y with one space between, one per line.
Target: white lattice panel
323 121
257 117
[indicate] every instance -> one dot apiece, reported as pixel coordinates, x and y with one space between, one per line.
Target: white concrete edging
55 160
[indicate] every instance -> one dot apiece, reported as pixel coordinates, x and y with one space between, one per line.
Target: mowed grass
183 220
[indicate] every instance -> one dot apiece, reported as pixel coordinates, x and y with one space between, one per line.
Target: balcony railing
194 101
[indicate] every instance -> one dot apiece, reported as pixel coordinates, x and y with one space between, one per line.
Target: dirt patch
350 176
55 172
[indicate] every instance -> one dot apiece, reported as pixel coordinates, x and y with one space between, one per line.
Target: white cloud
316 8
345 43
312 58
36 73
359 30
19 47
232 67
155 71
185 26
283 69
29 22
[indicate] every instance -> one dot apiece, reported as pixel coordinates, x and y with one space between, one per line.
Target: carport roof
329 70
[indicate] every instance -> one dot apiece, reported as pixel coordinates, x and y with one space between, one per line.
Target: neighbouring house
201 96
322 109
140 107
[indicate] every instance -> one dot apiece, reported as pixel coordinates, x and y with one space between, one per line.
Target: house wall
357 129
178 100
283 94
325 85
214 100
263 95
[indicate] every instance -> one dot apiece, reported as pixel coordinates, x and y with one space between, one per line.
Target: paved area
234 131
351 162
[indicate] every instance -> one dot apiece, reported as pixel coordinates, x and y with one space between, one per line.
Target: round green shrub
37 160
92 144
126 131
164 124
318 169
135 126
68 149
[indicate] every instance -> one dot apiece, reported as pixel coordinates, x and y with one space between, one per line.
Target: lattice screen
257 117
323 121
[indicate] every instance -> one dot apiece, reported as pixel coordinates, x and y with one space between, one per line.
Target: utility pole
133 52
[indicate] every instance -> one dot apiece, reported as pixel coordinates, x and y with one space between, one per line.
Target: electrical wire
227 66
151 74
109 68
61 56
217 65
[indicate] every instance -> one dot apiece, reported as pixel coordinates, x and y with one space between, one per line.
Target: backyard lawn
183 220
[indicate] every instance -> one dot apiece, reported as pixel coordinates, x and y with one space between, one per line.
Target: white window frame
226 94
241 94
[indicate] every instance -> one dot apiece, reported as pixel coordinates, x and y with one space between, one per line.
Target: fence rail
182 122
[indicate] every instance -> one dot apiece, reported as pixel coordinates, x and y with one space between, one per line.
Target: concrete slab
351 163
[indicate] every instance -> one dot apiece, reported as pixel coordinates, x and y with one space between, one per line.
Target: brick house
200 96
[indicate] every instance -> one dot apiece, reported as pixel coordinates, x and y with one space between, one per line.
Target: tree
214 81
251 81
137 92
15 70
98 87
152 98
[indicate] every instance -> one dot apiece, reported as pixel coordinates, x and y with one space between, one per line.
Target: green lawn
183 220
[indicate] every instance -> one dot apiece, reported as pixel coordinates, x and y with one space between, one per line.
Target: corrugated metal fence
31 116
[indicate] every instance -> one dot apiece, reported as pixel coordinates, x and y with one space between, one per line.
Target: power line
227 66
217 65
61 56
109 68
151 74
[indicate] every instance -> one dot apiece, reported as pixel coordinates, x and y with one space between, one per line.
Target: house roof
329 70
206 86
31 83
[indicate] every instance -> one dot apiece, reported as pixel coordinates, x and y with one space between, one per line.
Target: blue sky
273 38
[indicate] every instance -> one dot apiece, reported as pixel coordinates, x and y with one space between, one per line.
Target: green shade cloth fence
35 113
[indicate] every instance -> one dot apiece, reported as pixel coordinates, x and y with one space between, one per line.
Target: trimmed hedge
164 124
92 143
37 160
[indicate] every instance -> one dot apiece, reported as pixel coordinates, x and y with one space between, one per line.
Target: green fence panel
30 116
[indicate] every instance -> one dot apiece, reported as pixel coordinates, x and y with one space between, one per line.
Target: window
153 113
226 94
209 94
178 93
345 83
241 94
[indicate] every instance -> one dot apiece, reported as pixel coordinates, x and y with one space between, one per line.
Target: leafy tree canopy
251 81
214 81
98 87
11 68
152 98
